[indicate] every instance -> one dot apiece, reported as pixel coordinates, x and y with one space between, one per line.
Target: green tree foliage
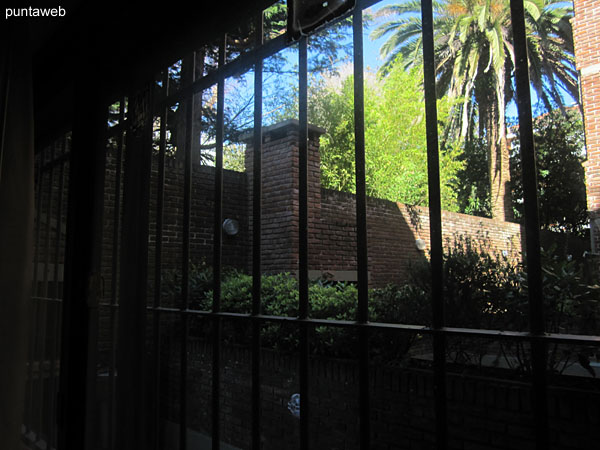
395 138
234 157
475 64
559 143
562 193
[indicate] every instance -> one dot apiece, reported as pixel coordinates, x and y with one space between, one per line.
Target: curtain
16 225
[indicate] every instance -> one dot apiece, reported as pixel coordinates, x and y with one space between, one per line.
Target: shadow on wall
331 217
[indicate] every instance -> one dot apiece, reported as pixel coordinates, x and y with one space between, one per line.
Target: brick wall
393 228
586 30
234 250
280 193
201 215
392 231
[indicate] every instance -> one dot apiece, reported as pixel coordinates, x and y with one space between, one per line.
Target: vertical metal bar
160 194
216 305
256 236
435 227
115 273
303 238
59 213
532 226
218 213
48 224
36 259
35 292
303 179
362 315
117 208
82 270
189 67
132 391
44 302
55 295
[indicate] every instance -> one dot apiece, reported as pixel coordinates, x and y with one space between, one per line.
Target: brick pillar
280 192
586 30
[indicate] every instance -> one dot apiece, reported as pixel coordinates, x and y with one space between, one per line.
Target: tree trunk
500 190
499 168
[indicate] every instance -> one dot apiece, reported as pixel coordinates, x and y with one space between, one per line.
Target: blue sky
371 48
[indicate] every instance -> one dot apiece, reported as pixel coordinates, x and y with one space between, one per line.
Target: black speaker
307 15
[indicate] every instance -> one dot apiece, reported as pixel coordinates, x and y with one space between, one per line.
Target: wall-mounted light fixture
421 244
231 227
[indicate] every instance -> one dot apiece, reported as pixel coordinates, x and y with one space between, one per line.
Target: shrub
571 302
481 289
279 297
200 281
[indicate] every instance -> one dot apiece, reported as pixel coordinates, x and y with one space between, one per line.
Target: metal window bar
46 262
59 213
362 311
303 306
55 333
435 227
189 65
114 303
39 418
160 194
43 306
550 338
532 227
131 387
256 237
54 329
29 410
38 413
31 403
217 249
36 257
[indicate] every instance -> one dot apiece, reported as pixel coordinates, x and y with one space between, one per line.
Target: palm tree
475 65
